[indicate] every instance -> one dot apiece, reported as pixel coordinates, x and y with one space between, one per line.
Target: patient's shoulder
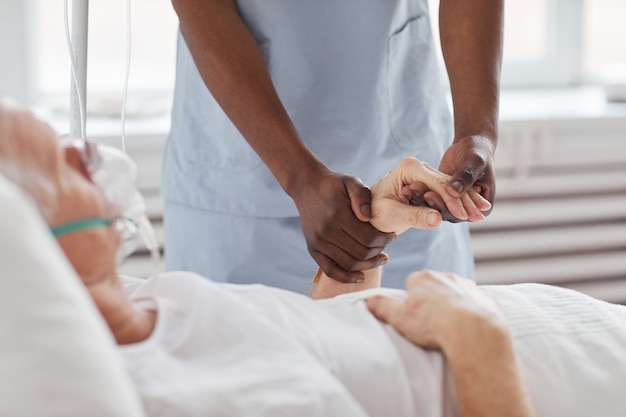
164 283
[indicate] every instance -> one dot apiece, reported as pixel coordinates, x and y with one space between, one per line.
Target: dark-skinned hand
469 161
341 242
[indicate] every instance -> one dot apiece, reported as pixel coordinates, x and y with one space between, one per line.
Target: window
561 42
604 47
547 43
541 43
41 32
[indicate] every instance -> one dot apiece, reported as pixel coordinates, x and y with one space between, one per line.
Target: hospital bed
58 358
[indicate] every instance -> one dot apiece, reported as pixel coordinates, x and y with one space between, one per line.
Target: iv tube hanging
78 55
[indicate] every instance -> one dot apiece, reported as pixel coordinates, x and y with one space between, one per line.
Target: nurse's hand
335 210
470 163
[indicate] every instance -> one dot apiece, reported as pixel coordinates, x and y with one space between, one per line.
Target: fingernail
359 281
457 185
430 203
432 219
366 210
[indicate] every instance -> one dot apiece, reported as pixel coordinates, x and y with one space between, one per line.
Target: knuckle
417 218
371 253
325 230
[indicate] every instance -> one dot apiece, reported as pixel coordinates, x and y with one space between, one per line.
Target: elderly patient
444 347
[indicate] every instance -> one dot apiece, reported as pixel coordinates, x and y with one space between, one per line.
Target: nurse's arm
450 313
233 68
471 42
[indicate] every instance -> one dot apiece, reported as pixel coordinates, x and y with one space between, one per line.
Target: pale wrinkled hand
437 305
392 210
335 211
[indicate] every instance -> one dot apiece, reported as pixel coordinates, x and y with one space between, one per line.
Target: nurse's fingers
466 176
351 270
470 207
360 198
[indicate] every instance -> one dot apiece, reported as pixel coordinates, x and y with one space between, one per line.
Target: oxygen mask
116 174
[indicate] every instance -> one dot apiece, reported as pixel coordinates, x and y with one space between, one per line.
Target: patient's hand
392 210
439 307
451 313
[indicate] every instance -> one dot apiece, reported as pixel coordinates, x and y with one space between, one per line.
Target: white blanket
254 350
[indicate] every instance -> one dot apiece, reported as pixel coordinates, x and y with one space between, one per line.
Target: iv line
125 90
70 49
81 105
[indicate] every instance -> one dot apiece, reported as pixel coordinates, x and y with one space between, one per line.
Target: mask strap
78 225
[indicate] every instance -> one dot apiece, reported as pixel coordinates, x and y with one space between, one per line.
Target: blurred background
560 215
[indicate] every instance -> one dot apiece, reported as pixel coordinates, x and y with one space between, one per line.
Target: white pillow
57 357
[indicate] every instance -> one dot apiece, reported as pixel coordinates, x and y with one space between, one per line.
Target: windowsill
586 103
573 103
139 132
146 116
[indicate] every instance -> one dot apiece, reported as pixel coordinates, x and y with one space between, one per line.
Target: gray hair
18 168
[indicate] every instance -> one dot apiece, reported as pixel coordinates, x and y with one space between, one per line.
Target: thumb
384 308
464 178
417 217
360 198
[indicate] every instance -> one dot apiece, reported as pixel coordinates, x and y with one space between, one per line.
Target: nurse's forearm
233 68
471 41
327 287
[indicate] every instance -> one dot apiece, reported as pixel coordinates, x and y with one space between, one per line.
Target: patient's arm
447 312
326 287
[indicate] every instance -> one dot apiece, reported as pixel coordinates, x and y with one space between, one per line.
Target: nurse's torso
359 79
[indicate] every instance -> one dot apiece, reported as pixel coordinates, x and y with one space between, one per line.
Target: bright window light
153 45
604 40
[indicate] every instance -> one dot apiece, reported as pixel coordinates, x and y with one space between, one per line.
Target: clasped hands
347 225
393 199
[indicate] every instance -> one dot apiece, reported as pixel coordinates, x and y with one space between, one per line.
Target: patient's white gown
232 350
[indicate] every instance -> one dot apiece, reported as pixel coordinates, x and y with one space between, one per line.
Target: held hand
437 306
392 210
335 212
470 163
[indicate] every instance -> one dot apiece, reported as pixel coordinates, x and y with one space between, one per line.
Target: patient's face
35 147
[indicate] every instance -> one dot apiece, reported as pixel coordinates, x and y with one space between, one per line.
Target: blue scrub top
359 78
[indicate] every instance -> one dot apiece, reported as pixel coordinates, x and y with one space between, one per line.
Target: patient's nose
75 159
